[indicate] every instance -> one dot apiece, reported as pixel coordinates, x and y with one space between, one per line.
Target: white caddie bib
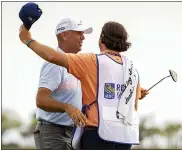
110 86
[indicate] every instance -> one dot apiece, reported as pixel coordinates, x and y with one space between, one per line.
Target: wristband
28 42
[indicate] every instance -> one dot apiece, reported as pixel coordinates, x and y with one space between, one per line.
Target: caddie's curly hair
114 37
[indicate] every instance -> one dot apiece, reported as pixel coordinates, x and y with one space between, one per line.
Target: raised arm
47 53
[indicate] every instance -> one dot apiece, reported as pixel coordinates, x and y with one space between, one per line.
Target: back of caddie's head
114 36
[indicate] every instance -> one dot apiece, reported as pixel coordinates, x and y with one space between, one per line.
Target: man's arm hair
47 103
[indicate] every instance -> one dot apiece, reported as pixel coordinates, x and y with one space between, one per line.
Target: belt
44 122
90 128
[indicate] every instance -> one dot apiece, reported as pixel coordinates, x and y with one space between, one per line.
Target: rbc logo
109 90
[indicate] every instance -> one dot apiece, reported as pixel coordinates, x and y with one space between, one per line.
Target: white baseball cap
69 24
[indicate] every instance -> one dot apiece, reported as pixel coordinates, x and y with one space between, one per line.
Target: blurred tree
170 131
8 122
31 126
11 146
152 133
149 132
143 129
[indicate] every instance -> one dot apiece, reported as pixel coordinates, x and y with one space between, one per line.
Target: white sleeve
50 76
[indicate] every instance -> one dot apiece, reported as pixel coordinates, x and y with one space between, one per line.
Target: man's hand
24 34
76 115
144 92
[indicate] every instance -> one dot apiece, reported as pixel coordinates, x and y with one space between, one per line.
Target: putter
173 75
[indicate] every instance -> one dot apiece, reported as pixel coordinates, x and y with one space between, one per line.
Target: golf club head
173 75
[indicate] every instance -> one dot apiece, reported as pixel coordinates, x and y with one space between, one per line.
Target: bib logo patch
109 90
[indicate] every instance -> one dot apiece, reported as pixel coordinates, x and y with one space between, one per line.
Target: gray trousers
50 136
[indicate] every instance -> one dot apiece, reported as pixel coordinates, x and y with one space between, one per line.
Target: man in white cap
59 97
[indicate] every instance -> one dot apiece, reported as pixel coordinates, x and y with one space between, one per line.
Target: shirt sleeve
50 76
80 64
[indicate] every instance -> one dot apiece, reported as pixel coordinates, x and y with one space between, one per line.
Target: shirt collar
60 50
107 50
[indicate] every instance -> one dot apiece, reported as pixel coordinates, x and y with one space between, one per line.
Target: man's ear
64 36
